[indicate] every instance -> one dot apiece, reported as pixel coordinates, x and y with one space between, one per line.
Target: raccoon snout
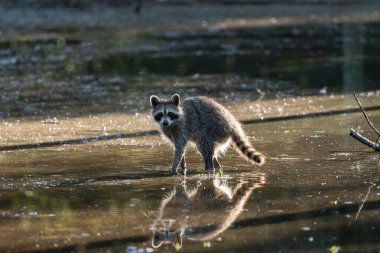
165 123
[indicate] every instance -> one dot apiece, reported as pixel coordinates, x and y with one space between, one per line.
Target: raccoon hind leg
219 150
216 163
210 155
207 151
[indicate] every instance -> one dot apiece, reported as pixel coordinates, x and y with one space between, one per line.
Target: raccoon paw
182 172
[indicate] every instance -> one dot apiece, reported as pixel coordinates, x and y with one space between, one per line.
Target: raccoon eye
172 115
158 116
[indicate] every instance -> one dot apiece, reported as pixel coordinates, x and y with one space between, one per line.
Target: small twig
366 117
364 140
365 199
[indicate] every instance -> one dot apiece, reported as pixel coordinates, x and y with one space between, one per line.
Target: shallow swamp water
83 169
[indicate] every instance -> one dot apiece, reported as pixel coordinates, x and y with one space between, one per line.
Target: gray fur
206 123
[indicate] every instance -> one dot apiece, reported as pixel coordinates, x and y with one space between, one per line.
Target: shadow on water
94 245
350 238
77 141
321 213
350 235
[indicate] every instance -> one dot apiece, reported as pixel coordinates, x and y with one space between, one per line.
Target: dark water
340 57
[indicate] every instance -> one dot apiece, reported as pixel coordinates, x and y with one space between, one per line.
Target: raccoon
201 213
206 123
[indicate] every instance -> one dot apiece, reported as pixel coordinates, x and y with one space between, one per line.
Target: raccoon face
166 237
163 233
166 113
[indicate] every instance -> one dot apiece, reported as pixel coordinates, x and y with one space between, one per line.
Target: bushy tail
247 150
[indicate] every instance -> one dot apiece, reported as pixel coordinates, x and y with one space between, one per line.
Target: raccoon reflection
184 212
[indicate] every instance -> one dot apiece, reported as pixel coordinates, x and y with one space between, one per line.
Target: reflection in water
340 57
203 212
353 55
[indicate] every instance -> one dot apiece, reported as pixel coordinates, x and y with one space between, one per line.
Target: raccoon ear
175 99
177 242
154 101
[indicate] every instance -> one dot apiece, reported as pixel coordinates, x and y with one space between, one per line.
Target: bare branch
366 117
364 140
365 199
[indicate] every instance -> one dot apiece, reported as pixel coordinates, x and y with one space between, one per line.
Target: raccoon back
204 116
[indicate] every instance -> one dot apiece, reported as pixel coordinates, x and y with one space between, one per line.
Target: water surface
82 168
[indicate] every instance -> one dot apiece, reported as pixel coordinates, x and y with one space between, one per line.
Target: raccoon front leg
178 155
183 164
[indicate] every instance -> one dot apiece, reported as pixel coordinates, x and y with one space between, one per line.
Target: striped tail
247 150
